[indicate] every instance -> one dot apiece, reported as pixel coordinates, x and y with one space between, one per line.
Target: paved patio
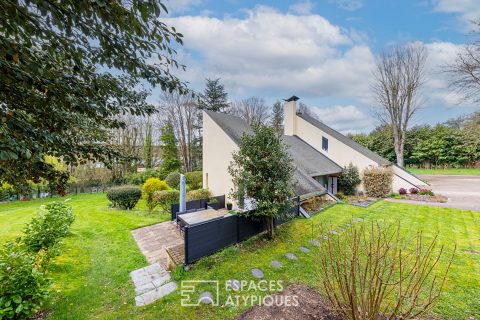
155 239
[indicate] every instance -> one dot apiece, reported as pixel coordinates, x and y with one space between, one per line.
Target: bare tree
304 109
465 71
253 110
398 77
183 113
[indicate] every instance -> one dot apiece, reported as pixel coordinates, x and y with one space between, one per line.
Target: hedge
124 197
377 182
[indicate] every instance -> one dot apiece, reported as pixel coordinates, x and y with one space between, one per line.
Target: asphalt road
463 192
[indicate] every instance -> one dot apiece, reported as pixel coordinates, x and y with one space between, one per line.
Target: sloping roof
235 127
311 161
349 142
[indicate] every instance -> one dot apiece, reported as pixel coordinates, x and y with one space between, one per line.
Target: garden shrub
24 286
349 180
124 197
6 191
173 180
46 230
151 186
194 179
426 192
138 178
402 191
377 182
413 190
341 196
164 199
198 194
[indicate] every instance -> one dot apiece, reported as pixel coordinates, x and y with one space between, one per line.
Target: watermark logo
237 293
190 290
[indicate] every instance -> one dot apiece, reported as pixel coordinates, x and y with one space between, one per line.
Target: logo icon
190 287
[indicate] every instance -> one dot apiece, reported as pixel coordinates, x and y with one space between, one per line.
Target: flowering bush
402 191
151 186
413 190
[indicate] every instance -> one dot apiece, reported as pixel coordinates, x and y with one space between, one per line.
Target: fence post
185 235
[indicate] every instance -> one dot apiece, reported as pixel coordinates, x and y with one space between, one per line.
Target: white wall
217 155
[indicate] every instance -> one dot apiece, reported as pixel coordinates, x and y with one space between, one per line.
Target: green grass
92 275
449 171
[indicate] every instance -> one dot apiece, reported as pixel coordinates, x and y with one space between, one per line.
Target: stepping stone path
315 242
234 284
206 297
324 236
333 231
257 273
275 264
151 283
291 256
303 249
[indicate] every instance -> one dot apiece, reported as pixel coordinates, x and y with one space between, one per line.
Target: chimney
290 115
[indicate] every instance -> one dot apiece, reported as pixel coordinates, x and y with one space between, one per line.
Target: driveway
463 192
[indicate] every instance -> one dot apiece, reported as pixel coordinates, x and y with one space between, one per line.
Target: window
324 143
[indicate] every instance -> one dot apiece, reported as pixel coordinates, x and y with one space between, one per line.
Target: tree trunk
270 222
399 143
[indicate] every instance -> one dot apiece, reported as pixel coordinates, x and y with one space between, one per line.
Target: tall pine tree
214 97
277 118
170 159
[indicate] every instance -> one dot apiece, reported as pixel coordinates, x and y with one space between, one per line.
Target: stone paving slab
153 295
276 264
155 239
291 256
333 231
315 242
257 273
234 284
303 249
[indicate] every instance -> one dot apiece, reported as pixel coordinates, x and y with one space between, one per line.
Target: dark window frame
324 144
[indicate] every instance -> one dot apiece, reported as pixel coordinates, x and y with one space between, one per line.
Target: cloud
181 6
346 119
467 10
269 50
350 5
302 8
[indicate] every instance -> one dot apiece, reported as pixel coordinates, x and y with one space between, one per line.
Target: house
319 153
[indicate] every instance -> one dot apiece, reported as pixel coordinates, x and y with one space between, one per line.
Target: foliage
45 231
277 118
148 145
349 180
164 199
151 186
367 274
24 287
124 197
402 191
194 179
138 178
198 194
214 97
377 182
426 192
173 180
170 159
455 143
262 171
6 191
413 190
340 195
82 62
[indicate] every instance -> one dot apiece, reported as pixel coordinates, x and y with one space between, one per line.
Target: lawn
449 171
92 276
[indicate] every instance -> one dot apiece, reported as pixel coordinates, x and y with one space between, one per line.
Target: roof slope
349 142
311 161
235 127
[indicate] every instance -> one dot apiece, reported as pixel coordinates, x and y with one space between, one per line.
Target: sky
321 51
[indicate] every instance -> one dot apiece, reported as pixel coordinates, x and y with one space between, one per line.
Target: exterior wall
217 155
407 176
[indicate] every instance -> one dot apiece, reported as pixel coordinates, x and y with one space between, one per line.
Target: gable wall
217 155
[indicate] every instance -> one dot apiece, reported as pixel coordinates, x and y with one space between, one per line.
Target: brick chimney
290 116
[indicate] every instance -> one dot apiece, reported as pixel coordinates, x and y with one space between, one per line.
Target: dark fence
197 204
204 239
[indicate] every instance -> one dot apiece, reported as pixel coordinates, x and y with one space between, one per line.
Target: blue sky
321 51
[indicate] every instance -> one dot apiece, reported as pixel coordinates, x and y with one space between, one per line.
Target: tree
148 145
262 171
253 110
277 118
349 180
168 147
67 70
465 71
183 113
214 97
398 77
